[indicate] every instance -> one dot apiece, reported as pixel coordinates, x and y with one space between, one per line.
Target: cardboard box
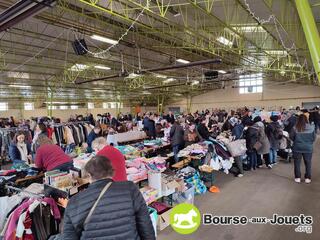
154 181
169 188
184 197
164 220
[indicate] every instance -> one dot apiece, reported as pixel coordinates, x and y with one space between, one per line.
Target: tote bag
237 148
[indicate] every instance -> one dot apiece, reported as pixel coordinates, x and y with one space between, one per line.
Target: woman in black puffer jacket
120 214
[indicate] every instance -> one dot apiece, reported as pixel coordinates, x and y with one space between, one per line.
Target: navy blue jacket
14 152
237 131
91 137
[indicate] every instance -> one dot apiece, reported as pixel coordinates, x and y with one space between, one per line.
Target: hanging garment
69 136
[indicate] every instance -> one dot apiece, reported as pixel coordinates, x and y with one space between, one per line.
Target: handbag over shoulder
95 204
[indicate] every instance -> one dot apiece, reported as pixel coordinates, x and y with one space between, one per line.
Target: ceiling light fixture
225 41
293 65
104 39
182 61
22 75
169 80
222 71
133 75
78 67
20 86
160 76
102 67
249 29
277 52
195 82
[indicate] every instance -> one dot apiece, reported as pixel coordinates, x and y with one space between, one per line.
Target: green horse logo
185 218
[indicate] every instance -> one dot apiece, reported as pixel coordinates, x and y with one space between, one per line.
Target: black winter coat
203 131
121 214
177 135
251 136
274 133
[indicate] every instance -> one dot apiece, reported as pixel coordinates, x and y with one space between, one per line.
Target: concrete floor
259 193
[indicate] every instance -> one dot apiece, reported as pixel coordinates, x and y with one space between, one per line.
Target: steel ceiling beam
311 33
26 14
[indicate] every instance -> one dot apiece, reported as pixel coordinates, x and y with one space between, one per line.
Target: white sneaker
240 175
307 180
297 180
270 166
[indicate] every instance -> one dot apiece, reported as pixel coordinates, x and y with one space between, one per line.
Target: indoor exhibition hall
159 119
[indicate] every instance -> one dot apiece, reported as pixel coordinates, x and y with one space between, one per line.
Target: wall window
252 83
90 105
28 106
52 107
105 105
63 107
74 106
3 106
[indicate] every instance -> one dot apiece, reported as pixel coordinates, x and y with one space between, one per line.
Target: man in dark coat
170 118
177 139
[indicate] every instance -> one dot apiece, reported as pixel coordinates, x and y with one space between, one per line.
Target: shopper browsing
303 139
177 139
95 133
50 156
19 150
107 209
264 148
101 147
274 133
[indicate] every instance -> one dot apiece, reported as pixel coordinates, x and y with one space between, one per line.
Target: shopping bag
237 148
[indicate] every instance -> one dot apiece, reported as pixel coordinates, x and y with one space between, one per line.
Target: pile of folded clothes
126 149
82 159
193 149
192 178
152 143
155 163
136 169
149 194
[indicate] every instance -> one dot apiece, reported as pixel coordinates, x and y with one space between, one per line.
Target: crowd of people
262 135
107 169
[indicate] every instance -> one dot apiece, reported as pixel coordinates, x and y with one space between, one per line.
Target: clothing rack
69 123
25 191
13 129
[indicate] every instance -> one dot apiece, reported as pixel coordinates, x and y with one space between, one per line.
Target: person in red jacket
50 156
117 159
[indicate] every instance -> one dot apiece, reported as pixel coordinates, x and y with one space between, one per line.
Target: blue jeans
252 156
176 150
297 162
272 156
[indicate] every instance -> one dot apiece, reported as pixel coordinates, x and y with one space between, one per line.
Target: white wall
273 97
65 114
62 114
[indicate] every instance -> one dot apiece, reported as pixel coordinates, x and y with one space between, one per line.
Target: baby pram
285 150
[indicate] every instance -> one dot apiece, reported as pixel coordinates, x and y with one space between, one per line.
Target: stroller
285 150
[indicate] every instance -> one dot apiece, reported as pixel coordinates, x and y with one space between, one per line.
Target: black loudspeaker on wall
211 75
80 47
